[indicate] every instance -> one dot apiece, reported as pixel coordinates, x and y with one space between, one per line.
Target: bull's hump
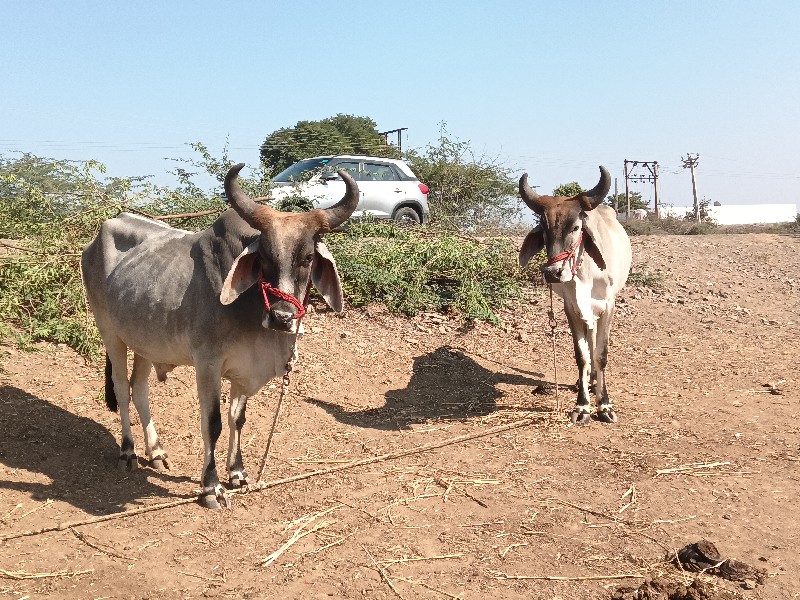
144 223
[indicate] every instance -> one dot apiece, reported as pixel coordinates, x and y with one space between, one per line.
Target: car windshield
301 171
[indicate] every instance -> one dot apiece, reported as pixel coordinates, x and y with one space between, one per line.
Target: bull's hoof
579 416
211 498
239 479
607 415
128 462
160 463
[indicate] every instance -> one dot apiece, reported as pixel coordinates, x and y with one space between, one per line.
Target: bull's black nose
552 275
281 319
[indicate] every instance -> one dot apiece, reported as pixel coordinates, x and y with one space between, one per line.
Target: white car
388 187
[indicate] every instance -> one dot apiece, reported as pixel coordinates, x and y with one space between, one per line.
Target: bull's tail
111 397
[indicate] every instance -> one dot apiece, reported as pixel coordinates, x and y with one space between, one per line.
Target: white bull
589 258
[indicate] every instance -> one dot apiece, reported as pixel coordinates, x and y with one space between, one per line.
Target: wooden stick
335 543
117 515
259 487
19 575
110 552
506 551
383 574
201 213
203 577
692 466
430 587
298 535
500 575
395 561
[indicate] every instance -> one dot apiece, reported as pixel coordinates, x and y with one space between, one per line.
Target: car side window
352 169
377 172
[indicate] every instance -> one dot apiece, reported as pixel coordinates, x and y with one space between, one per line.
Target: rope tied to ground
551 315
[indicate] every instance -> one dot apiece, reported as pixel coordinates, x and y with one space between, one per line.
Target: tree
466 190
341 134
635 197
568 189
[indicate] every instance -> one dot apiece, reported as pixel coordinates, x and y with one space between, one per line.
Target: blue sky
554 89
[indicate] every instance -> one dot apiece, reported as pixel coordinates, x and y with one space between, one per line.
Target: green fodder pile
410 269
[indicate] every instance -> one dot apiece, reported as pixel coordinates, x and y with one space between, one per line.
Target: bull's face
561 229
287 256
562 232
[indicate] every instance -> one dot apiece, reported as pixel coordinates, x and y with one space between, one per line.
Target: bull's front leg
208 391
236 420
605 409
581 337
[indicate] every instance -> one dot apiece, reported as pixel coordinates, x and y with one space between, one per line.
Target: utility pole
627 196
616 196
651 177
399 133
655 187
690 162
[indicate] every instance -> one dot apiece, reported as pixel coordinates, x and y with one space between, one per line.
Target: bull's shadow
75 453
445 384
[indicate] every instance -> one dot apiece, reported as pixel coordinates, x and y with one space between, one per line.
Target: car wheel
407 216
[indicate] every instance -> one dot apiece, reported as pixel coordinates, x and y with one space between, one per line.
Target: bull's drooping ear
597 244
326 278
242 275
533 244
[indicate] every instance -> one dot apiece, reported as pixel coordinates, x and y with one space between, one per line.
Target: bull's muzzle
281 320
553 273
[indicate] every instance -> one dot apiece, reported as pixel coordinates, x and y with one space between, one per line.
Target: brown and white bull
588 261
179 298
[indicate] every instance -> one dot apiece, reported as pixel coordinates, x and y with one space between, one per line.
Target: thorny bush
49 210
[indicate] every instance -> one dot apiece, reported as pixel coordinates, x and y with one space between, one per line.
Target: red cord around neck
268 289
569 254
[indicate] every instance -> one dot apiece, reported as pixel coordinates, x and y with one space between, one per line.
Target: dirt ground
705 449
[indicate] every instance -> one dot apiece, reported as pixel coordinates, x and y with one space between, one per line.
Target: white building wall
741 214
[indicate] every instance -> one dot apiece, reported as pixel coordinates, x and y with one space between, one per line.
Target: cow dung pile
661 589
704 556
699 557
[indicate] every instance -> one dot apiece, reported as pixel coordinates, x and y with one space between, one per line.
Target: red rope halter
569 254
267 289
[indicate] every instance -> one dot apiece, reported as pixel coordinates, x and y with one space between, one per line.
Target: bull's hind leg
139 393
117 360
605 409
581 337
236 420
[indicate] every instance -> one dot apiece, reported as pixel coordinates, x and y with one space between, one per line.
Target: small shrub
701 228
706 215
646 227
641 276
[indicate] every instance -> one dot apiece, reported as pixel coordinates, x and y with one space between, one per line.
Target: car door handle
398 191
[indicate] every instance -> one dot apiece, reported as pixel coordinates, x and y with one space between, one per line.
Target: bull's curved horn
341 211
594 197
240 202
530 197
